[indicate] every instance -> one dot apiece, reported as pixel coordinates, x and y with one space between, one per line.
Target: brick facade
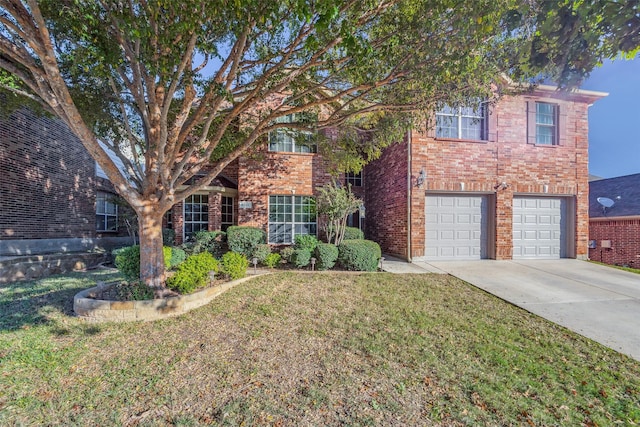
48 181
479 167
624 237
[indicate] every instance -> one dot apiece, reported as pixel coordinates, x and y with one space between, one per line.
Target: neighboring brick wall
47 180
386 200
625 241
466 166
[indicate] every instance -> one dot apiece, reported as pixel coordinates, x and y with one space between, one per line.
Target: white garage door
455 227
539 227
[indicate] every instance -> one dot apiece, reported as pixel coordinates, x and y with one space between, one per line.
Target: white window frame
457 116
106 209
200 214
541 124
287 223
227 217
287 142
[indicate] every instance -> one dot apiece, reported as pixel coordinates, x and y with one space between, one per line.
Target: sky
614 121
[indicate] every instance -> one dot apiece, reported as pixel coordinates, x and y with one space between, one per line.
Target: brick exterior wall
624 235
48 182
458 166
386 200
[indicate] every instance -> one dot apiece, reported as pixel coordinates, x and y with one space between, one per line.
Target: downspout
409 169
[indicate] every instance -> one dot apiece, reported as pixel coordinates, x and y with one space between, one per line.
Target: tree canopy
171 87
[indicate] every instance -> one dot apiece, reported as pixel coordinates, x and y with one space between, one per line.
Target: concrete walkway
598 302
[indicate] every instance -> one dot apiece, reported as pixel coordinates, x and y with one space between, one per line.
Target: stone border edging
125 311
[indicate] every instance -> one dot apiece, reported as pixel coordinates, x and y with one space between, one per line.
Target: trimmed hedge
235 265
353 233
327 255
193 273
359 255
262 252
244 240
271 260
301 257
306 241
177 257
287 253
127 260
214 242
168 237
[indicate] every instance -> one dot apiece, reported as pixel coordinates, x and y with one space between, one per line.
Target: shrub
127 260
271 260
214 242
168 237
306 241
353 233
235 265
177 257
359 255
287 253
193 273
327 255
262 252
244 240
301 257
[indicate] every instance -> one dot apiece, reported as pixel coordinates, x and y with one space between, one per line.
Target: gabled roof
623 190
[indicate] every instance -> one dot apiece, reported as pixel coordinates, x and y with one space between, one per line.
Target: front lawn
308 349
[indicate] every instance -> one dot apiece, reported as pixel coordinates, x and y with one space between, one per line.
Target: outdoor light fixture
422 176
254 261
313 264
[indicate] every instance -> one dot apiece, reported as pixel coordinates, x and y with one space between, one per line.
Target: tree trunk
151 257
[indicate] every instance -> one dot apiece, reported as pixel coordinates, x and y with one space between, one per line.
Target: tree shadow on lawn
37 302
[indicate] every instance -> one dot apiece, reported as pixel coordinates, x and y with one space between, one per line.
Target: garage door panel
539 227
455 227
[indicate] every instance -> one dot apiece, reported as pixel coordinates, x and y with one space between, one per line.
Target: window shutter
562 125
531 122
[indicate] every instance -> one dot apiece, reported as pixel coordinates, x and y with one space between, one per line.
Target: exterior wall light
422 177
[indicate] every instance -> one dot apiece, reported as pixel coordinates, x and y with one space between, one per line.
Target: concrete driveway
601 303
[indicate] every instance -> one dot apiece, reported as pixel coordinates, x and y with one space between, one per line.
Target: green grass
308 349
629 269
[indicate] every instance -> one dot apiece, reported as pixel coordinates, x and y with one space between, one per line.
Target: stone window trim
106 213
290 216
460 123
535 121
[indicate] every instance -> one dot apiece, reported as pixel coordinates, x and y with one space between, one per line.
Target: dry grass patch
318 349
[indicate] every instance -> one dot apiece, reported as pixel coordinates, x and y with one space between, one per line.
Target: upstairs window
354 179
106 213
291 140
546 123
462 122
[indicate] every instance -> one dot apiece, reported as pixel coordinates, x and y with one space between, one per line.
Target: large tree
179 89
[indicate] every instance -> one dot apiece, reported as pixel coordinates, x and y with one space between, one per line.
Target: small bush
177 257
359 255
287 253
301 257
353 233
193 273
306 241
168 237
235 265
262 252
271 260
327 255
214 242
127 260
244 240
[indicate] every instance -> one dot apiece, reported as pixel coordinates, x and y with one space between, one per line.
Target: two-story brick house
503 181
500 181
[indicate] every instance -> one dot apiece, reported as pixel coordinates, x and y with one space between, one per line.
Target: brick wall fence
624 235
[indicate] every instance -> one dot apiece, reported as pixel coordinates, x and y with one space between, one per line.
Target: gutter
409 169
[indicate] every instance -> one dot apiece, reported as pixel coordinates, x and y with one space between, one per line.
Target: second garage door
455 226
539 227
